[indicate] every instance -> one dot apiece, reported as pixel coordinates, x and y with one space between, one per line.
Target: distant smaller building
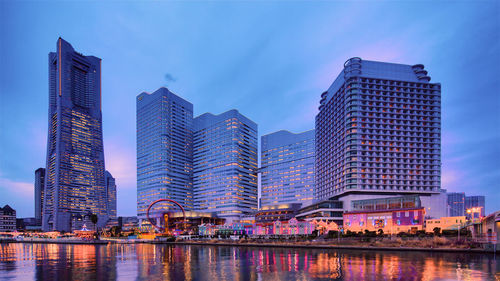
28 224
389 221
456 204
7 219
272 213
474 207
444 223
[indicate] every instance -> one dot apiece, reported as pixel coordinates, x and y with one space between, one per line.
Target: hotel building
225 164
164 152
287 168
378 134
74 176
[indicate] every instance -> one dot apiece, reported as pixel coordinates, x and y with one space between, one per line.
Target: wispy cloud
19 195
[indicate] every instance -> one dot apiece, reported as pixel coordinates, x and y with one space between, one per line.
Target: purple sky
270 60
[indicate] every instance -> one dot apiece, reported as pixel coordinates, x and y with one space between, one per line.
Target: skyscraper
164 151
74 180
225 164
39 189
378 133
110 195
287 168
475 202
456 204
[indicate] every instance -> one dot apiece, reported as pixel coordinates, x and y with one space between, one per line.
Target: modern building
164 152
128 223
391 221
378 133
110 195
326 210
456 204
225 164
473 203
28 224
39 189
272 213
287 168
7 219
74 176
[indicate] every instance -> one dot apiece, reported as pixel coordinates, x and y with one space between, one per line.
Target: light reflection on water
156 262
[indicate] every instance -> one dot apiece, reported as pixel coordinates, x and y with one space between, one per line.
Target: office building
39 189
474 206
110 195
225 164
7 219
378 133
287 168
164 152
74 176
456 204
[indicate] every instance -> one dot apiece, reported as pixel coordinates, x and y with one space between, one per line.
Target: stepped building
74 175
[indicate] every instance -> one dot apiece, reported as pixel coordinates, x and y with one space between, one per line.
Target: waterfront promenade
397 244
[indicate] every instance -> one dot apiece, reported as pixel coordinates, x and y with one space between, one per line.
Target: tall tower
225 164
39 189
164 151
74 181
378 133
287 168
110 194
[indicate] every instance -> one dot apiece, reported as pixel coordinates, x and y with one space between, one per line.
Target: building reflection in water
163 262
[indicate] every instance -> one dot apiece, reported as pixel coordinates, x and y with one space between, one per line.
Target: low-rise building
276 228
327 211
128 223
389 221
445 223
7 219
272 213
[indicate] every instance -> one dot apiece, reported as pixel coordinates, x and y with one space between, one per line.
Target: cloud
19 195
169 78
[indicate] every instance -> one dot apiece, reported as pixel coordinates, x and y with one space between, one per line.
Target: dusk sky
269 60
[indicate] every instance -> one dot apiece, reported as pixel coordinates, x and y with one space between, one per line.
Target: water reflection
156 262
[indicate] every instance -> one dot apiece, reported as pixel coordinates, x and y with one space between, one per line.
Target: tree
115 231
437 231
94 218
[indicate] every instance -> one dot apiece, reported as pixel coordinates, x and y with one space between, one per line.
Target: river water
20 261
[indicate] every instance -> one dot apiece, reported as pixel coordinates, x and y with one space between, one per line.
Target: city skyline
468 161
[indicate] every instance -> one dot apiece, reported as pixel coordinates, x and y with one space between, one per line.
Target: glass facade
456 204
225 164
74 179
111 195
378 131
164 152
39 188
287 168
474 202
